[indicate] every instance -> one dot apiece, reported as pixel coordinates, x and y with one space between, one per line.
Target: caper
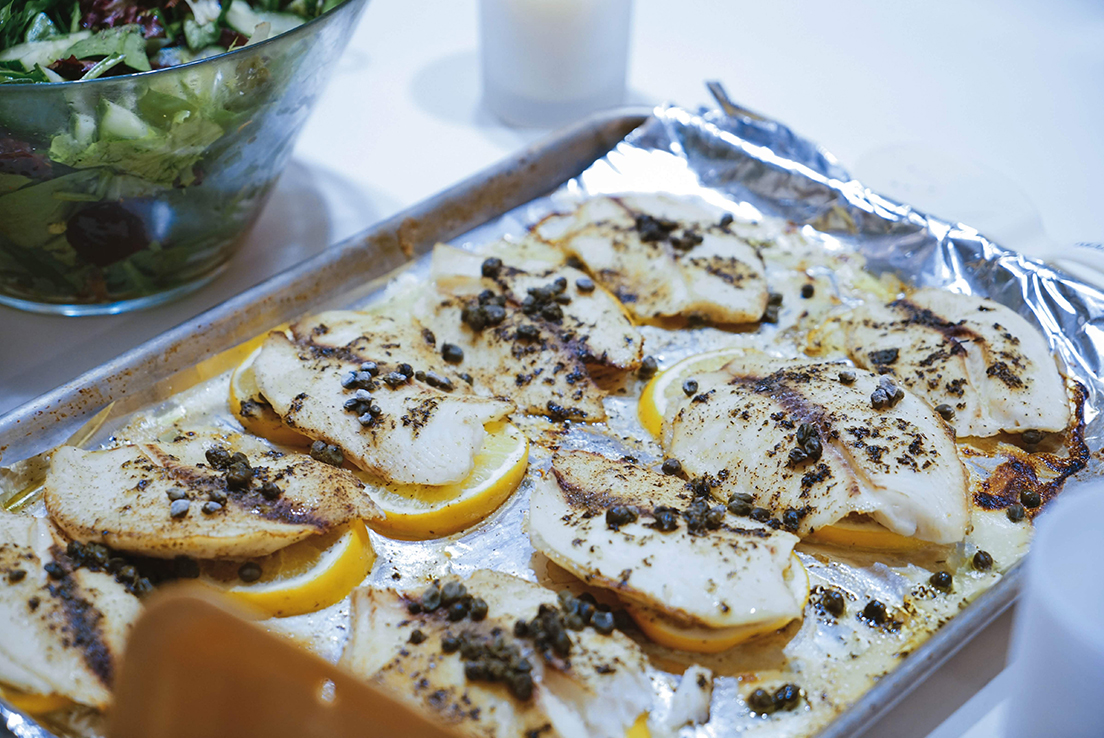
414 607
833 602
478 609
941 580
475 670
431 598
493 314
761 701
585 284
394 379
585 610
1032 437
983 560
602 622
438 381
847 377
175 494
807 290
552 313
574 622
787 696
371 368
740 504
270 491
126 574
327 453
761 514
875 612
1030 498
452 591
417 636
666 519
619 515
491 267
671 467
239 475
16 575
450 643
690 387
250 571
521 685
521 629
726 220
791 519
945 411
1016 512
457 611
179 508
55 570
211 507
452 353
218 457
648 367
527 332
217 495
797 456
879 398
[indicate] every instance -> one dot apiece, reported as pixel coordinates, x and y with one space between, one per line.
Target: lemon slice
417 511
253 411
666 387
304 577
34 704
639 729
861 532
662 630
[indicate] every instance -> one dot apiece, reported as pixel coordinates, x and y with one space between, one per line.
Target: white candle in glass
546 62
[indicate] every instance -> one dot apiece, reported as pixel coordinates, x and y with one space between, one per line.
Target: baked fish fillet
991 367
123 497
720 573
806 442
597 689
663 257
550 338
62 635
420 434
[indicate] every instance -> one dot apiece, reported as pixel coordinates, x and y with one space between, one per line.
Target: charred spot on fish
1001 371
652 229
883 357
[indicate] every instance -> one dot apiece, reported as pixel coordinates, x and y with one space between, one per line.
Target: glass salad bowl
122 192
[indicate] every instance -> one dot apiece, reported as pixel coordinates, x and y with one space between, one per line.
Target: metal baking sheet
740 158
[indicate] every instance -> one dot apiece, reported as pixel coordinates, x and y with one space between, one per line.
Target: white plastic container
1057 647
548 62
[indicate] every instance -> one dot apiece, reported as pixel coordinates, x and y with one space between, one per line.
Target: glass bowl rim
119 79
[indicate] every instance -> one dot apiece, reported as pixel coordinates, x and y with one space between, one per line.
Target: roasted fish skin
421 435
974 355
663 258
63 635
728 576
597 690
547 344
752 423
123 497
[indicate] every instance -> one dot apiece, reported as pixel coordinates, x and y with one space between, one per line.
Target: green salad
67 40
134 186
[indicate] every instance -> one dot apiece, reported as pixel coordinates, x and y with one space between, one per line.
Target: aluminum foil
755 168
761 163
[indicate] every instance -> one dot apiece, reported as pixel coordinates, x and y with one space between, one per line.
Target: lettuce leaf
163 156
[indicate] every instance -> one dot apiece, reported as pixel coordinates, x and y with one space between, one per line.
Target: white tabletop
988 112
